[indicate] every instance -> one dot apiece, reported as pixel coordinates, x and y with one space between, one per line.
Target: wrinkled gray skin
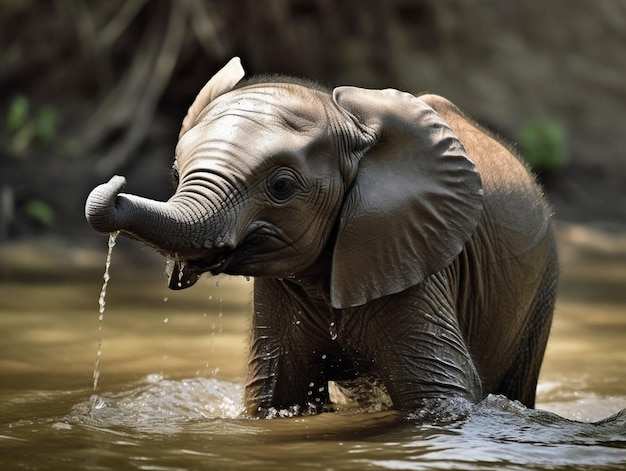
388 235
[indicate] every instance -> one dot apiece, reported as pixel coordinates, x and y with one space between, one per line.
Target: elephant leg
520 382
418 347
283 383
286 368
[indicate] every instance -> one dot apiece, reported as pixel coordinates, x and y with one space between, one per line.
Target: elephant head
370 189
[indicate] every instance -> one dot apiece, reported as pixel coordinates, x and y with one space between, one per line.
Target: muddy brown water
172 363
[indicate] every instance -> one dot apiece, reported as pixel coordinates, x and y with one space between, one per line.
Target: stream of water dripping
102 303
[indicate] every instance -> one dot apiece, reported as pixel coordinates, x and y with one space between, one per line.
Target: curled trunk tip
100 210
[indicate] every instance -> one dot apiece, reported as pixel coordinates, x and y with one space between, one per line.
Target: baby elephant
390 237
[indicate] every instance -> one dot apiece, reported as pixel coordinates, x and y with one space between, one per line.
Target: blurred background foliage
93 88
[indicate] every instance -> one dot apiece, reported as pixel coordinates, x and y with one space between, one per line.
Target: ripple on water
494 434
502 434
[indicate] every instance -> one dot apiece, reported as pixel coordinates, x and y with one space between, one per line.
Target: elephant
389 237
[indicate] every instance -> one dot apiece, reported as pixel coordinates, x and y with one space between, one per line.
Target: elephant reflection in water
389 236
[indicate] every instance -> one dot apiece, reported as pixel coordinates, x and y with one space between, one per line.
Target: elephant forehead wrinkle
292 106
254 129
250 134
217 169
222 157
261 124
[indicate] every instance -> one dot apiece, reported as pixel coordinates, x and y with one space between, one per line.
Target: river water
171 371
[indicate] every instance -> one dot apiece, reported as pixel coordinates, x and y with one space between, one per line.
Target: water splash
102 303
159 405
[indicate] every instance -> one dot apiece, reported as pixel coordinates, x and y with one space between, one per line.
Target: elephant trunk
106 209
170 227
157 223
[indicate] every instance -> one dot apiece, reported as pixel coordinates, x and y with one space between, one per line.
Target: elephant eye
282 184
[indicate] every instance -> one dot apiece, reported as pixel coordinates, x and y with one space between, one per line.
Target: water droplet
166 320
165 299
332 332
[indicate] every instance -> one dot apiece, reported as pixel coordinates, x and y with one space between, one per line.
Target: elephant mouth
234 260
185 273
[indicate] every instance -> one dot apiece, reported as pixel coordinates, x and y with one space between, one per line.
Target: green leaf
18 114
39 211
543 145
46 124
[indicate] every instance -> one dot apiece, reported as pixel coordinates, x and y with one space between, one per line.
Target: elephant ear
222 82
415 200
